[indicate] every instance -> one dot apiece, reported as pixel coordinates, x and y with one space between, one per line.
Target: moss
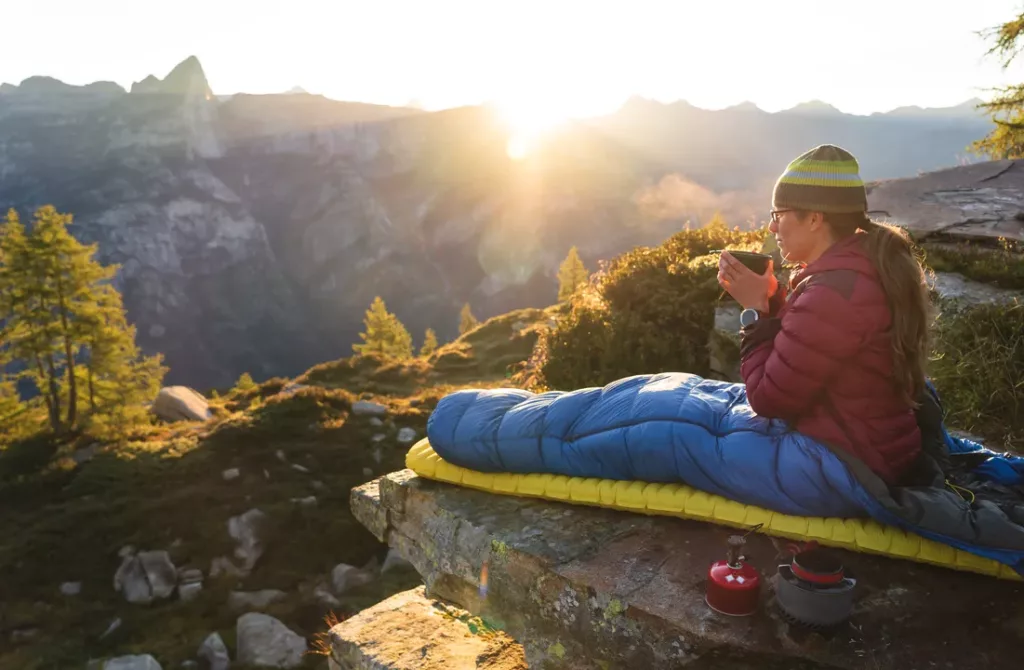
614 609
557 650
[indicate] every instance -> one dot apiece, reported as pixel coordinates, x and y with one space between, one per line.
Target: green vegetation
385 335
245 383
1007 107
978 369
467 321
429 342
572 275
651 310
64 329
1002 266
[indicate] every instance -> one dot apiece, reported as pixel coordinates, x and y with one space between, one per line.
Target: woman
840 355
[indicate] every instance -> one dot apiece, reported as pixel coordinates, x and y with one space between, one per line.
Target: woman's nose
773 226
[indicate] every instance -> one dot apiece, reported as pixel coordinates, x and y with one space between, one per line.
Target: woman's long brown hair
906 289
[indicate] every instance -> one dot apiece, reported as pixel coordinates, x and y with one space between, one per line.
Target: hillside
253 230
296 448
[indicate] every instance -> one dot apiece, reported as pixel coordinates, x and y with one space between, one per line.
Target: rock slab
625 590
409 631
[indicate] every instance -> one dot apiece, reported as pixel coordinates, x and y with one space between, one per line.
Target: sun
528 122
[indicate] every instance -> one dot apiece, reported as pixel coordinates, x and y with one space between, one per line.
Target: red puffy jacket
824 363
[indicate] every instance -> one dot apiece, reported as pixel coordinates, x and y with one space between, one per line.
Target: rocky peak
186 79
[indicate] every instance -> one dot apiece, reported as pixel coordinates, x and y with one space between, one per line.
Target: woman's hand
750 289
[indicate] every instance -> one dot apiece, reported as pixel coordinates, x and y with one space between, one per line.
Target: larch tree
384 334
572 274
429 343
1006 140
467 321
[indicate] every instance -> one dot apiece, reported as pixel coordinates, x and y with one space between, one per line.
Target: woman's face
797 236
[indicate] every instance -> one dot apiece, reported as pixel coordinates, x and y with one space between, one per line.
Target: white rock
308 501
139 662
300 468
378 455
180 403
222 565
376 422
406 435
190 591
146 576
114 625
264 641
369 407
215 652
346 577
325 597
280 456
71 588
378 437
244 529
160 572
240 600
126 550
367 472
394 560
230 473
318 485
190 575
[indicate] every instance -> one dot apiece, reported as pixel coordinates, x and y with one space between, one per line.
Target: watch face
747 317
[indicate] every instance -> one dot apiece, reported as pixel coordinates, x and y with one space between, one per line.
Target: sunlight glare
528 121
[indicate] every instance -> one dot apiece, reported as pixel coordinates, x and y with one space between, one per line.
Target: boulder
214 652
180 403
138 662
146 576
262 640
409 631
254 600
980 201
71 588
406 435
346 577
244 529
368 407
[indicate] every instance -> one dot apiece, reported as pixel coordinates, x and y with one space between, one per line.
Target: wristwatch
748 316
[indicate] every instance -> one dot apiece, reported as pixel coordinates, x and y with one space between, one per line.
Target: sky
543 58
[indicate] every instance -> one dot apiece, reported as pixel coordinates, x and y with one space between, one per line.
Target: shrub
649 310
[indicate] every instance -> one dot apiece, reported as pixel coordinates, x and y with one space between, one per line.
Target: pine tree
66 323
245 382
429 343
571 275
1006 140
467 321
384 334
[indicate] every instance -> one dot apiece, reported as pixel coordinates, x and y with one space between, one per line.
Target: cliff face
253 231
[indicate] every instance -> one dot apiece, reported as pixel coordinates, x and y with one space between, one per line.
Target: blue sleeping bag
679 427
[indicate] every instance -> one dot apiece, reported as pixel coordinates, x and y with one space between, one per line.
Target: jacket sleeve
787 361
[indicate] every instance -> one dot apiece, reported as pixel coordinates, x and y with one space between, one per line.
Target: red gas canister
733 585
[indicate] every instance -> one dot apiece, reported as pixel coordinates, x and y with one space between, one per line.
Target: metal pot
817 605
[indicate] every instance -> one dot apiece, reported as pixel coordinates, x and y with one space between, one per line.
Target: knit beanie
824 179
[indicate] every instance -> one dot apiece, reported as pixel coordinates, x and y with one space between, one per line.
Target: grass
164 489
1001 266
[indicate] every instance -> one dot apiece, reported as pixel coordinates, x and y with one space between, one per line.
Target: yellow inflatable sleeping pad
679 500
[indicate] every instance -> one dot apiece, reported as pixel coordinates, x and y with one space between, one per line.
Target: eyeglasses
776 213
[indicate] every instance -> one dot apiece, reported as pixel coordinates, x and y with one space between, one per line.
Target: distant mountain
253 231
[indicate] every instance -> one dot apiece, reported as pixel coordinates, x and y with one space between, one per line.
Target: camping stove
813 590
733 585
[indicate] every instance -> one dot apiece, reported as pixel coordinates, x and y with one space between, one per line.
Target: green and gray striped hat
824 179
